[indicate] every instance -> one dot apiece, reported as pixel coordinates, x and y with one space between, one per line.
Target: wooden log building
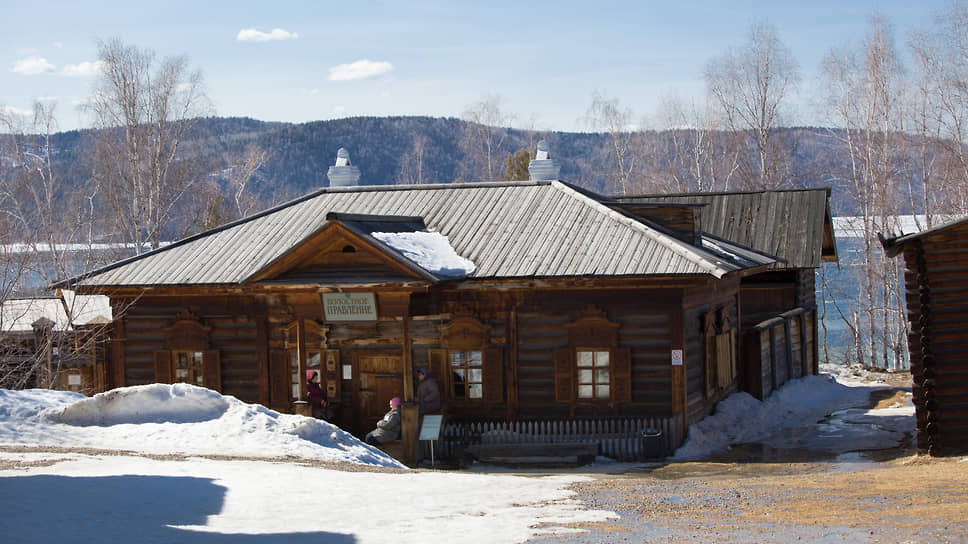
548 314
779 309
936 289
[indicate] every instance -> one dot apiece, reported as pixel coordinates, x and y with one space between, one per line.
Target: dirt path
913 499
876 496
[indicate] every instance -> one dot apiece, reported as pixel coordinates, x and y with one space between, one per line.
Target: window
594 368
188 367
467 374
188 358
468 369
594 374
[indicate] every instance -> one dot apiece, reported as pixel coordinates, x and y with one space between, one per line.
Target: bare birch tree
411 170
751 85
486 128
865 95
44 237
622 155
143 112
694 155
940 112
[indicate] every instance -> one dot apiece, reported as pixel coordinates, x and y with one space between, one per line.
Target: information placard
677 357
430 429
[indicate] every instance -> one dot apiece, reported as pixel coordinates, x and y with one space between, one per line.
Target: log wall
936 283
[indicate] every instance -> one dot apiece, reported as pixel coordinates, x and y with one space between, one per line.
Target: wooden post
512 373
262 358
408 432
678 373
408 391
116 356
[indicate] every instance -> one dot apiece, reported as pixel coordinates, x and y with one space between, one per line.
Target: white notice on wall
677 357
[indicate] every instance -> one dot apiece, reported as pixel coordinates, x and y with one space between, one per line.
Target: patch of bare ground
912 499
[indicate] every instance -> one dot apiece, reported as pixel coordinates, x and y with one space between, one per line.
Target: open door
380 379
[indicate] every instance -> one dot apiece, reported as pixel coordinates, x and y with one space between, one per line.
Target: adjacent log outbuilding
936 287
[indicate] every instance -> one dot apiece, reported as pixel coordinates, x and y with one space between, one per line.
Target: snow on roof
175 419
429 250
19 315
87 309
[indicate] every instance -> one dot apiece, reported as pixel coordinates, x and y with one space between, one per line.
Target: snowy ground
177 463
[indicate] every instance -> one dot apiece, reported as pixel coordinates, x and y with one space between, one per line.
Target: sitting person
317 396
388 428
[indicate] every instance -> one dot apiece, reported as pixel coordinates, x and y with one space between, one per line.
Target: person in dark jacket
388 428
316 395
428 394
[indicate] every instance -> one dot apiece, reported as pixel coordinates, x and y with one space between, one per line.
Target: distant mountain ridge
302 153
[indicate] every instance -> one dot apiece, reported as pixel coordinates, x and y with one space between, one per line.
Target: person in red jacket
316 395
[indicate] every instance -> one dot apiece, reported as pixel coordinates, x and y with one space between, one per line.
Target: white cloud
255 35
12 111
360 69
58 45
32 65
314 91
339 110
85 68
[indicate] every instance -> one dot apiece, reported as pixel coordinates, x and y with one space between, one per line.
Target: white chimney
343 174
543 167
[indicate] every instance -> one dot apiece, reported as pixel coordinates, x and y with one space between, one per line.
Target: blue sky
335 59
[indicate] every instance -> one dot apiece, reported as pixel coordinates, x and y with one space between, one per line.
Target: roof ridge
721 193
689 252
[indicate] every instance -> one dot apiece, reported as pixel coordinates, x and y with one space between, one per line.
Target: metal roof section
794 225
508 230
893 246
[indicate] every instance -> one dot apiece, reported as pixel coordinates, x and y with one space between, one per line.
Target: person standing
316 395
428 393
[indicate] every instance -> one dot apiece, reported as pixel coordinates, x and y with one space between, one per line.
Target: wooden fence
624 439
778 350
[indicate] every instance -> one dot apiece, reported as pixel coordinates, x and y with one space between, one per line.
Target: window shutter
709 359
332 372
87 380
493 375
212 369
621 375
437 362
564 375
724 358
163 366
279 378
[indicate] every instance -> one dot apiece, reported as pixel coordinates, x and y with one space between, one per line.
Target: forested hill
382 147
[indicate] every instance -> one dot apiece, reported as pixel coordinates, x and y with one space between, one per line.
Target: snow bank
155 403
175 419
430 250
740 418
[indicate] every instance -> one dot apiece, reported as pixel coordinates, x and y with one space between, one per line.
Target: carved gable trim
592 329
187 333
464 333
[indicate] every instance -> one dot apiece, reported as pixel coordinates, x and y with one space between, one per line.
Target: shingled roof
540 229
795 225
